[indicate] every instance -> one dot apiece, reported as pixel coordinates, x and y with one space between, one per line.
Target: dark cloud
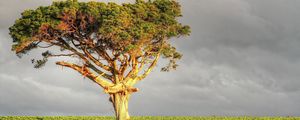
243 35
242 58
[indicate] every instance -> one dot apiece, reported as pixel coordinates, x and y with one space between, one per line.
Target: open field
142 118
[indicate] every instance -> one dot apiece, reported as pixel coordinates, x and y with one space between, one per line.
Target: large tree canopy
138 29
117 45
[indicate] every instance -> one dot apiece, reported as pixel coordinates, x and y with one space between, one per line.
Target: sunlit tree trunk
120 102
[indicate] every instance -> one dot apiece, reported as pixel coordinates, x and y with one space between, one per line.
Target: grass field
142 118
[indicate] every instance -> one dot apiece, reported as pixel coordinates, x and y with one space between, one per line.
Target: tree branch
85 72
120 88
150 68
134 69
60 55
125 63
104 75
105 67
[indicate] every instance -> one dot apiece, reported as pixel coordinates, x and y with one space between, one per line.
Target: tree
113 45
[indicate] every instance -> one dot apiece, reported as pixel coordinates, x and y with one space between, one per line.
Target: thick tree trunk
120 102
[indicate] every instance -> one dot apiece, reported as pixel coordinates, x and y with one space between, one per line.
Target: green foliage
143 118
118 27
39 63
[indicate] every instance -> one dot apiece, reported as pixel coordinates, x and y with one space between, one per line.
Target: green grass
141 118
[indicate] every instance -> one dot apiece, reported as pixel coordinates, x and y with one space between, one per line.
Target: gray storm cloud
242 58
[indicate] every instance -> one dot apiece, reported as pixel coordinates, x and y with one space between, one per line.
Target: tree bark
120 102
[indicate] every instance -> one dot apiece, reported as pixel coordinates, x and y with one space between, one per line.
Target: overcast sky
242 58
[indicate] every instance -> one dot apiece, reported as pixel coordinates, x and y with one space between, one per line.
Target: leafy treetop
126 35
